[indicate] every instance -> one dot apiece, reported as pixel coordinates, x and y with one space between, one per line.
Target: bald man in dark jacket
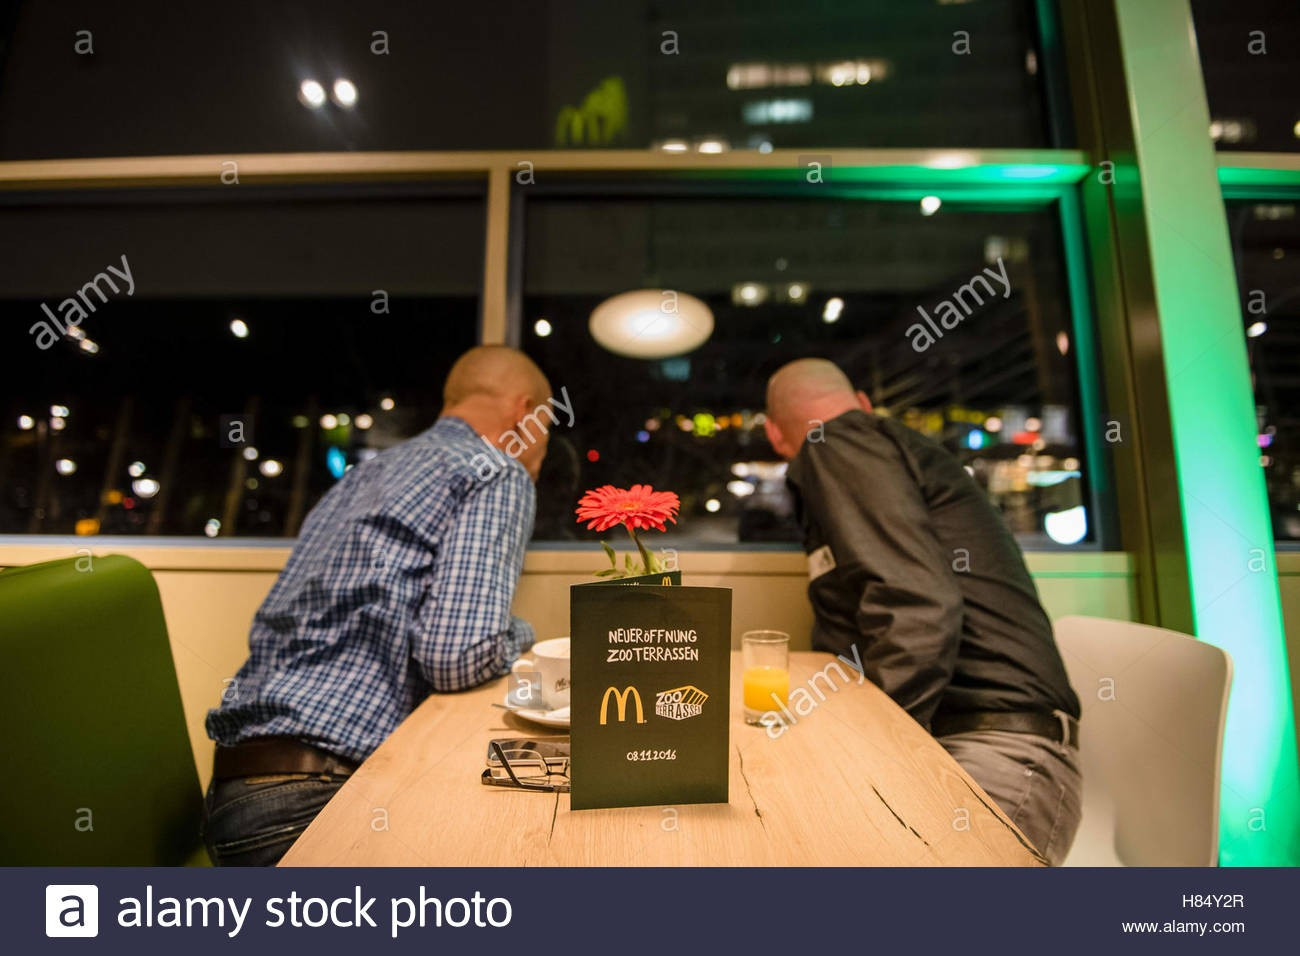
910 563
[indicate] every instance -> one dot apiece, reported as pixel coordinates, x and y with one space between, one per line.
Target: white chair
1151 739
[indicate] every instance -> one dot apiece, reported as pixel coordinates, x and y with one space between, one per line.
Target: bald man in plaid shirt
399 585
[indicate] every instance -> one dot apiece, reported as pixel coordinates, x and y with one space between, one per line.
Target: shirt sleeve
863 499
465 634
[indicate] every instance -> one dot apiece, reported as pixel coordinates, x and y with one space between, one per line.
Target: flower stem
645 555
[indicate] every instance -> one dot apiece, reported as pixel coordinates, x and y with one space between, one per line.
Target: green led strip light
998 178
1256 180
1086 359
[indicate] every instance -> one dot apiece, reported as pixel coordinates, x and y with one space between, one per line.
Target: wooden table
856 782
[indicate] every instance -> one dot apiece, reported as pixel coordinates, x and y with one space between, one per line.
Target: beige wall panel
209 596
1101 596
208 616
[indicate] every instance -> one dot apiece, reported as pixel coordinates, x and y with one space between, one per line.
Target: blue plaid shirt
400 584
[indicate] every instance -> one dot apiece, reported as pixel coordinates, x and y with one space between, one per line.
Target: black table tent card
651 694
664 578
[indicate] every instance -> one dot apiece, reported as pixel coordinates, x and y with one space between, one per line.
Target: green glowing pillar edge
1223 498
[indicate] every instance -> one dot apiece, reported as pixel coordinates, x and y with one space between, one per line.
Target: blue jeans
252 821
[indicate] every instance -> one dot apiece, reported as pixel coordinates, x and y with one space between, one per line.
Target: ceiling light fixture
345 93
651 323
311 94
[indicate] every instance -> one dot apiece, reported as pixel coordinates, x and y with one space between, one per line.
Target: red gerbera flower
637 507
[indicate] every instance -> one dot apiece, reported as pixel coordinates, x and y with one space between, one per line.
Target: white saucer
547 718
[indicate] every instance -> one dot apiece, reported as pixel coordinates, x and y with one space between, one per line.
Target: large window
1251 64
1250 59
156 77
1266 245
232 358
787 277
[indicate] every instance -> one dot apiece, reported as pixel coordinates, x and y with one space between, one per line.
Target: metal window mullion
494 326
1219 484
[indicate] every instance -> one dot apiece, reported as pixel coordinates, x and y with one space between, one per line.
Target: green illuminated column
1224 505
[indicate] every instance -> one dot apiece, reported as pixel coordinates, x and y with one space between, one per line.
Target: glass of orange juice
766 672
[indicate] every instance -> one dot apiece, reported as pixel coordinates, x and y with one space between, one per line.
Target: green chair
99 768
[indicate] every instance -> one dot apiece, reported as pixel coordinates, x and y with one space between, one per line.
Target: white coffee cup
548 673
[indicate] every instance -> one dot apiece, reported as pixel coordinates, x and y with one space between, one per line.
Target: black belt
264 756
1057 726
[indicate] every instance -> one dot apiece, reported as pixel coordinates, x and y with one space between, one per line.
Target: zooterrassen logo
680 702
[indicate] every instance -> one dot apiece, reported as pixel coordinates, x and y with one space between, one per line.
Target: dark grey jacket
927 580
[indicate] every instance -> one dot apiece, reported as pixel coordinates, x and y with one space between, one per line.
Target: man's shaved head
805 382
501 394
803 393
494 371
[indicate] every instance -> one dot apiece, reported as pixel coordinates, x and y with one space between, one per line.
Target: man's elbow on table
453 669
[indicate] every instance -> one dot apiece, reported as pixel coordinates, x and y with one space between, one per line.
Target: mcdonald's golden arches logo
620 701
